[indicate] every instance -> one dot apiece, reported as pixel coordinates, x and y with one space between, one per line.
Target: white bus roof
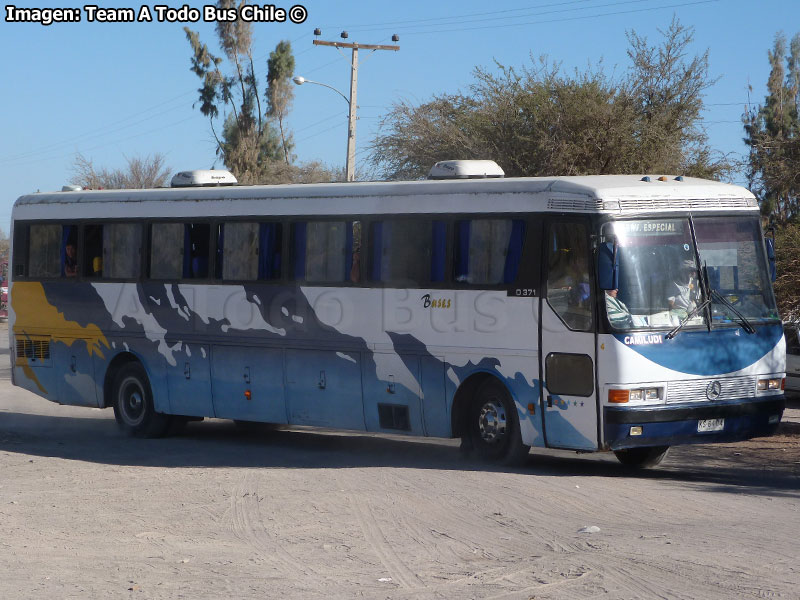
611 194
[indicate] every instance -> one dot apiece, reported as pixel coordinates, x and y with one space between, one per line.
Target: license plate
706 425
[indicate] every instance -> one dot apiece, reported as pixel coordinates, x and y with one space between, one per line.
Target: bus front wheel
493 426
642 458
133 404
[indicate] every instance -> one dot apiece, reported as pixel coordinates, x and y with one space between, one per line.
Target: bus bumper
674 425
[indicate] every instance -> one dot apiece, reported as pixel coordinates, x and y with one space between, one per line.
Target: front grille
32 349
732 388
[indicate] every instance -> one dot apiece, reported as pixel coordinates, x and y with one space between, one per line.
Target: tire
642 458
133 404
493 426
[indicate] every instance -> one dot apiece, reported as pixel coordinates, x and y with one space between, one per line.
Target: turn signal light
247 395
783 384
618 396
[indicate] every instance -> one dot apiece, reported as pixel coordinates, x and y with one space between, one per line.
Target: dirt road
218 513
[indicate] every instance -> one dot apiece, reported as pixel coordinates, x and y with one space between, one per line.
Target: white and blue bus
598 313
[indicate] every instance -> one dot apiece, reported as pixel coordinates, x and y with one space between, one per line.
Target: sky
114 90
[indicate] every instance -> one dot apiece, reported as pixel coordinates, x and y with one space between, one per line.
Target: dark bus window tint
270 247
408 252
568 287
488 251
327 251
792 341
45 251
237 251
93 251
166 250
20 250
195 250
113 250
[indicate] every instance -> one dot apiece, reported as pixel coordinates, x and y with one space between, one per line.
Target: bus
593 313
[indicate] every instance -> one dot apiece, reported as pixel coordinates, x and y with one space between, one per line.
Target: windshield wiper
688 318
746 325
705 289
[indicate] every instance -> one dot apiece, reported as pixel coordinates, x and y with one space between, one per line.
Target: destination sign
655 227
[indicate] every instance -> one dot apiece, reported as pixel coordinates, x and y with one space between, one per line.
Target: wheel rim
131 401
492 424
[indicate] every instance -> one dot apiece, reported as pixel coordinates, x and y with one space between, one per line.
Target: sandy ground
219 513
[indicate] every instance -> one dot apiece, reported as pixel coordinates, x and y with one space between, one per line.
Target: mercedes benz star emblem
713 390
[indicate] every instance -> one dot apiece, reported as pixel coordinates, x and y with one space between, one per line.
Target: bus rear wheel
133 404
493 426
642 458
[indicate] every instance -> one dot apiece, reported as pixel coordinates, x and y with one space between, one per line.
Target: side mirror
770 244
607 266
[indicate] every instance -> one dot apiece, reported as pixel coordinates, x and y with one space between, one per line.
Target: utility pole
351 119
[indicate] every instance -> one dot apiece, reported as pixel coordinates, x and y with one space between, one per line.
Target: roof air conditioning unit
465 169
203 178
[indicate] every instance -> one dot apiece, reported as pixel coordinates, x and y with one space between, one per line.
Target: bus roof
614 194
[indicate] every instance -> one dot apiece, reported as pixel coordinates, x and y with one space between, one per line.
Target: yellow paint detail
33 313
30 374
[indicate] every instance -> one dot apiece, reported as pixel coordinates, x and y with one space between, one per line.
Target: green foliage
252 137
280 92
772 131
539 121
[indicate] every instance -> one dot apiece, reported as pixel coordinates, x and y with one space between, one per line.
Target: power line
450 20
577 18
313 135
140 134
85 137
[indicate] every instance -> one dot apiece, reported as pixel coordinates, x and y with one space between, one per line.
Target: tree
280 92
772 131
142 172
248 142
787 241
5 248
536 120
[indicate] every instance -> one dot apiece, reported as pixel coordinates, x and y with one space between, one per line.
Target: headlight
769 384
637 395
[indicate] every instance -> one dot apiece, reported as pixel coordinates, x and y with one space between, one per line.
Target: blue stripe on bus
710 353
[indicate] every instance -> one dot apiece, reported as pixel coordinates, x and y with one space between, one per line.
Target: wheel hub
492 422
132 402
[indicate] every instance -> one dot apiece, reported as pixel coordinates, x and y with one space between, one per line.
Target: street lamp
351 122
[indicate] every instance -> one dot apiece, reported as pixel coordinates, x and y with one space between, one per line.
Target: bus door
567 352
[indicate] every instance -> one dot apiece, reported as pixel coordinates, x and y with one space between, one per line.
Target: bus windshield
659 279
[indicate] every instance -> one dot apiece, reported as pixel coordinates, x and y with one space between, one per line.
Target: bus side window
568 285
20 256
408 252
488 251
237 251
93 251
122 250
166 250
270 247
327 251
44 251
194 258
